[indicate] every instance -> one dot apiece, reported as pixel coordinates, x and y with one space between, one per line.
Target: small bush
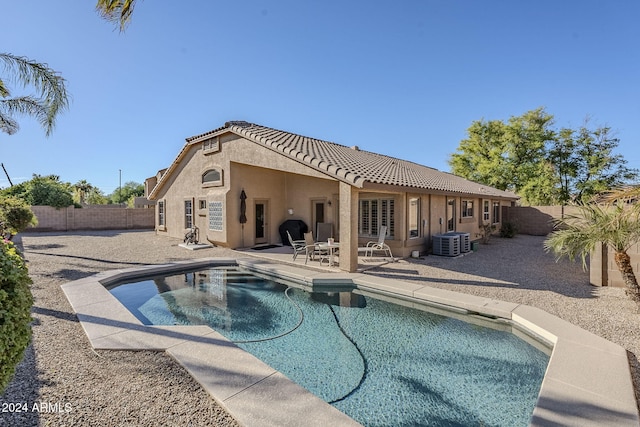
15 306
15 216
508 230
485 233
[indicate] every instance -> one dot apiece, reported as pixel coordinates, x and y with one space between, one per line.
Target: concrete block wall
535 220
538 221
113 218
605 271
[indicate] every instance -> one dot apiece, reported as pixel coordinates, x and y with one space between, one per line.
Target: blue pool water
380 363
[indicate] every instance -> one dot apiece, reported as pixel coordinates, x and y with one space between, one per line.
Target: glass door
262 223
451 215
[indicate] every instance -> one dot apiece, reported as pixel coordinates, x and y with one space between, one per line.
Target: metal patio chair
299 246
379 245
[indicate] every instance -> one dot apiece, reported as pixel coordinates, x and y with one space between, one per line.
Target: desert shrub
15 216
15 306
508 230
485 233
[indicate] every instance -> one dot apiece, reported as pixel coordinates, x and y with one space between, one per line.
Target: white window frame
413 218
466 208
496 212
486 211
374 213
188 214
212 183
161 213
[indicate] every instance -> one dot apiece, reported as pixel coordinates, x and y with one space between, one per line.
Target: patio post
348 218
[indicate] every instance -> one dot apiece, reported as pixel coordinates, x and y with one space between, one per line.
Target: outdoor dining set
325 248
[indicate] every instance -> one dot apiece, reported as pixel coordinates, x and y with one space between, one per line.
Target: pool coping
576 390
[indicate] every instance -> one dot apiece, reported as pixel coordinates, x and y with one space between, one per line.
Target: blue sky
402 78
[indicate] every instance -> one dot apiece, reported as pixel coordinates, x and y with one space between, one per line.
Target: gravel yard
63 382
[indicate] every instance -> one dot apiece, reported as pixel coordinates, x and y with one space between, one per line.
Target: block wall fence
91 218
538 221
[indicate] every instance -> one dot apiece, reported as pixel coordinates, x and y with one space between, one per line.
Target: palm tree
82 189
615 224
116 11
52 96
629 193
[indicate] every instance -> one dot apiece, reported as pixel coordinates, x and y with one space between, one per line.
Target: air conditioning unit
446 245
465 240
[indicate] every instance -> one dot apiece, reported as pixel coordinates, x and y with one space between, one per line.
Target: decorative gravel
72 385
63 382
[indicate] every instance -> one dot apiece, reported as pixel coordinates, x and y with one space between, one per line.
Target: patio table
331 249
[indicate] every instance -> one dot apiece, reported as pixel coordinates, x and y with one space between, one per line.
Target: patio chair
324 231
299 246
311 247
379 245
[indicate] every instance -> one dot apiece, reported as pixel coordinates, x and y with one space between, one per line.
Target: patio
284 255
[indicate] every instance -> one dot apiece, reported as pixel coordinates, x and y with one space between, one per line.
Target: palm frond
629 193
4 92
26 105
8 124
52 92
116 11
577 235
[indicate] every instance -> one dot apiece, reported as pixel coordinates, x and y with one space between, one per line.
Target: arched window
212 177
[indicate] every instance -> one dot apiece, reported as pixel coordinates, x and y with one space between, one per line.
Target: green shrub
15 307
15 216
485 233
508 230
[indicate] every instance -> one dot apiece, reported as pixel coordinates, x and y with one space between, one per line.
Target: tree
85 193
585 163
481 157
116 11
508 156
527 136
616 224
51 100
542 165
81 190
562 154
96 197
42 191
127 193
599 169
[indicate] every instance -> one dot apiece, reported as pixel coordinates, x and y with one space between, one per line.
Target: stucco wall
284 184
265 176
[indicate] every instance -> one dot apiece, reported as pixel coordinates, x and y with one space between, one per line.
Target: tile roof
355 166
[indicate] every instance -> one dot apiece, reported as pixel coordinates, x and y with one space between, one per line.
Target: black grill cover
296 228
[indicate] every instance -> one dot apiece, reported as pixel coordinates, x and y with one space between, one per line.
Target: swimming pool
380 363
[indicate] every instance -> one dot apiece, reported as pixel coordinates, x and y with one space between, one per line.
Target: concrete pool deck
576 390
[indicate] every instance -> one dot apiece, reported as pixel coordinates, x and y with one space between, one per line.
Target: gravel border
71 384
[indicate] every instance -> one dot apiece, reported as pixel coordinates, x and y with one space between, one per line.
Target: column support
348 228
